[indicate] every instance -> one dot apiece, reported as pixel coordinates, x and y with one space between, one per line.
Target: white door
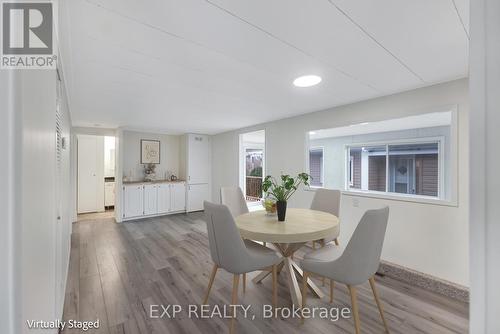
133 201
90 173
150 199
163 197
178 196
197 193
198 159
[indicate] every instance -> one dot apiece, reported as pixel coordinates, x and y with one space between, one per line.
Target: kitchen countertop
152 182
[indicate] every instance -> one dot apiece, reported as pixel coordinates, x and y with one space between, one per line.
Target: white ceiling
216 65
396 124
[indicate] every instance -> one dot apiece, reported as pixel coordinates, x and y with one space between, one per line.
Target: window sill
391 197
401 198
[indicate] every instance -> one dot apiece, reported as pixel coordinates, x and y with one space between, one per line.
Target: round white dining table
300 226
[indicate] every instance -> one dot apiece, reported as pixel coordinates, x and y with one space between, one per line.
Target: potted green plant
282 191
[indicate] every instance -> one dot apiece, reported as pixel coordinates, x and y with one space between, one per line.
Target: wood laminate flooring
117 271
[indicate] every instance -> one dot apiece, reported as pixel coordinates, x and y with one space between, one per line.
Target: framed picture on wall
150 151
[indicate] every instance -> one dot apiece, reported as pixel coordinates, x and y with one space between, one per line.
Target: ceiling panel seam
177 36
290 45
460 19
375 40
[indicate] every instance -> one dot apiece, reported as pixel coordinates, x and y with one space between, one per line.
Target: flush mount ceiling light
307 81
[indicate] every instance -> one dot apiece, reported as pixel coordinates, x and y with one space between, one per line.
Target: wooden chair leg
210 282
379 304
322 244
244 282
354 303
336 241
331 290
275 286
234 300
304 292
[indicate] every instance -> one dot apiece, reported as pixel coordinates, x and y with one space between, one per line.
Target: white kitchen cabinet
150 199
178 196
133 200
196 194
153 199
198 159
163 197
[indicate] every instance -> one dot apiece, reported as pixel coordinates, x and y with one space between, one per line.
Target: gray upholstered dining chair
234 254
355 265
234 199
327 200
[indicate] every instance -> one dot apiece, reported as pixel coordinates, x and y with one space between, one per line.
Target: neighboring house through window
316 166
412 158
407 168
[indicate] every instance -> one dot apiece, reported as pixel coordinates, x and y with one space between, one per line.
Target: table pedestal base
292 270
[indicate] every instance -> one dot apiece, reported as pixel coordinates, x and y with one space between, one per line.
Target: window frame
350 169
451 199
440 140
313 148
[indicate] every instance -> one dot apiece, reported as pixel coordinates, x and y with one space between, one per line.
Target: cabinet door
163 198
178 196
198 159
196 194
150 199
133 204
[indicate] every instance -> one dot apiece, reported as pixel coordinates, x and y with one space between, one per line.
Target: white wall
66 205
429 238
44 241
169 154
34 245
118 174
10 197
484 176
38 195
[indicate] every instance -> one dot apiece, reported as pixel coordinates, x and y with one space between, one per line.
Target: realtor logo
27 36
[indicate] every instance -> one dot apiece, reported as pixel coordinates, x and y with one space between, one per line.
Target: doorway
252 165
95 174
